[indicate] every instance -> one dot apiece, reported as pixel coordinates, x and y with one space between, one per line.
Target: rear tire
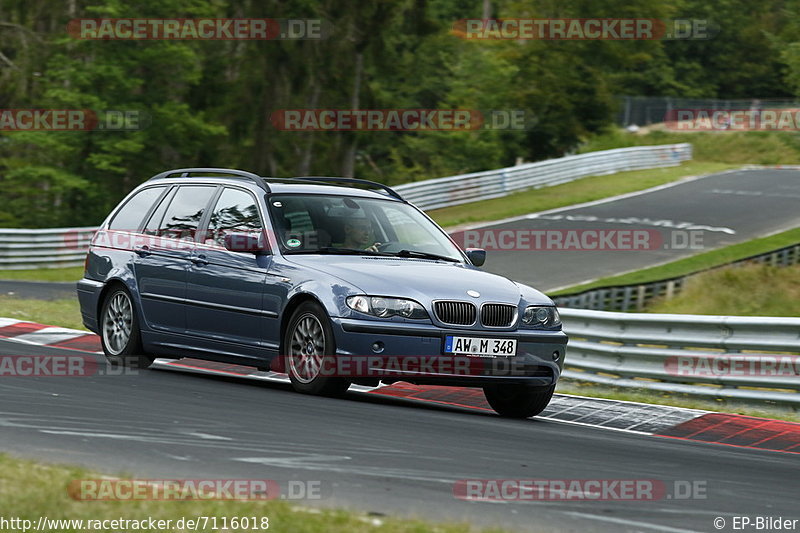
518 401
119 331
310 348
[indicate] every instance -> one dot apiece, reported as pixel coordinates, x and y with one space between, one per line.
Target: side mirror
245 243
477 256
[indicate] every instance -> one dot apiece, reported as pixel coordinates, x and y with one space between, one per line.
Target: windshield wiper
425 255
335 250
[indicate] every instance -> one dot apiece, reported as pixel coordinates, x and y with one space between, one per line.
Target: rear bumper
414 353
89 298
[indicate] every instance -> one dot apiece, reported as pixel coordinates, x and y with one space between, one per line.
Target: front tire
119 331
518 401
310 349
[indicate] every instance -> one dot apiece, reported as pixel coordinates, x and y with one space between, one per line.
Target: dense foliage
209 102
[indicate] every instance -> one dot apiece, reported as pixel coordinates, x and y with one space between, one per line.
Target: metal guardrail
753 359
455 190
43 248
635 297
61 247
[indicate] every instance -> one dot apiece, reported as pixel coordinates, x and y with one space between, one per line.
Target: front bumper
414 353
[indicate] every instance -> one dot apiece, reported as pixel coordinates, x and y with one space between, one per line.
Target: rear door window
183 215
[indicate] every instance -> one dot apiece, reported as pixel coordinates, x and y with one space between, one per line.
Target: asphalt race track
721 209
376 455
37 290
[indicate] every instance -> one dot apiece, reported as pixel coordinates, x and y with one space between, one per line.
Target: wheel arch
109 285
289 309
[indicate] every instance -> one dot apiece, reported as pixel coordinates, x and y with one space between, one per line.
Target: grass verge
44 274
694 263
738 148
64 313
30 490
574 192
729 291
583 388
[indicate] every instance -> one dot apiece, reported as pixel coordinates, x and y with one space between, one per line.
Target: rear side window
236 211
185 211
129 218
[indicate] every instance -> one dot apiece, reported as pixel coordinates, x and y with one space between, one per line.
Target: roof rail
358 181
185 172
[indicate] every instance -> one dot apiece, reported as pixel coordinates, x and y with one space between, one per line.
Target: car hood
421 280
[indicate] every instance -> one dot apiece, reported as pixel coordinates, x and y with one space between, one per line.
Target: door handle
142 251
200 260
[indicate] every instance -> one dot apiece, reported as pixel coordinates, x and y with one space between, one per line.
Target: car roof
289 187
302 185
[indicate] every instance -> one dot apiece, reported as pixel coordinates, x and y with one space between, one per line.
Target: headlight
386 307
537 316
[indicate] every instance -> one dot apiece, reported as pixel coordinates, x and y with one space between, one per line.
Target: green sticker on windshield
293 243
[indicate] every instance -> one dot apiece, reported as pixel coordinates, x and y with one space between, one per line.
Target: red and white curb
38 334
639 418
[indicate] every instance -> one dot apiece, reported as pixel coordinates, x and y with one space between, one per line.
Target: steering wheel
389 247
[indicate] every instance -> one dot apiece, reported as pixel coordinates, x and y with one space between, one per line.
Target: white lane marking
633 523
208 436
117 436
661 223
295 461
8 322
592 203
755 193
51 335
303 463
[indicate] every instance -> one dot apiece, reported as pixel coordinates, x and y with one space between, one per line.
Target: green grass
44 274
694 263
65 313
574 192
30 490
583 388
737 148
748 290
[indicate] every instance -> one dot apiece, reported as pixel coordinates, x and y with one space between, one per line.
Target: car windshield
322 224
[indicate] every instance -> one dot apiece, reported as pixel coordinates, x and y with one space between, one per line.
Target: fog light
377 347
555 356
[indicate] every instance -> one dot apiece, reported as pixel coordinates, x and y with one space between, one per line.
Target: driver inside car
358 234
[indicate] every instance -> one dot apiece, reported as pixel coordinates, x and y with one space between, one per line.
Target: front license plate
480 346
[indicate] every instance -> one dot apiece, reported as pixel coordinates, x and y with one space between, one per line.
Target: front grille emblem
474 294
